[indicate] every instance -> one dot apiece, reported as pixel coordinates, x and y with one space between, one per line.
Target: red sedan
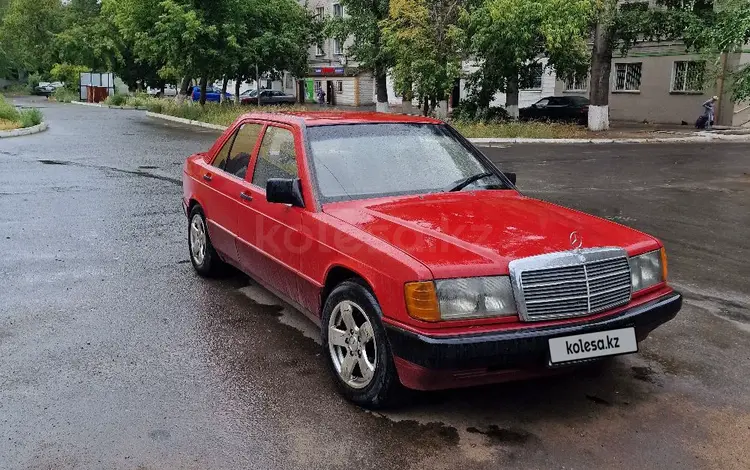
420 260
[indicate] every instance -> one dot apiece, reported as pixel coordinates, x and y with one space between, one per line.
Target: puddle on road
288 315
138 172
729 306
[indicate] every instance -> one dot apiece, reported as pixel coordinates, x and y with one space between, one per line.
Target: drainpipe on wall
720 92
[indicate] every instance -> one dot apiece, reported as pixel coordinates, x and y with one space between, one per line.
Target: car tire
203 256
367 347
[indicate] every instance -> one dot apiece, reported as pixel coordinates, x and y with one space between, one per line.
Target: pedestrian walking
706 120
321 96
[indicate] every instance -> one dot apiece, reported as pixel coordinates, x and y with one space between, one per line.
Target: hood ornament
576 240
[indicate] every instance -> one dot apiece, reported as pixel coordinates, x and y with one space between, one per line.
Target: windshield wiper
467 181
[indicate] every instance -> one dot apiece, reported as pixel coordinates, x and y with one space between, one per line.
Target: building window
319 51
339 87
687 76
320 12
337 49
577 84
533 81
628 76
338 10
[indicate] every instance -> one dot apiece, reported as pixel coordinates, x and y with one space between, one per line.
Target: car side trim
281 263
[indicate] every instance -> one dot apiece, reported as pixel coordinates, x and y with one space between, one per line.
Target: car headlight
648 269
460 299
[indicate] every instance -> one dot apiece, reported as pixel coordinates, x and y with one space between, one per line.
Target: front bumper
426 363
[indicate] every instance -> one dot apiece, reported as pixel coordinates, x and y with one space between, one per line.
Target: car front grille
571 284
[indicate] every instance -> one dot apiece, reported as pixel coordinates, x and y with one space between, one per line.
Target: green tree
273 36
620 27
723 35
424 38
507 39
363 24
27 33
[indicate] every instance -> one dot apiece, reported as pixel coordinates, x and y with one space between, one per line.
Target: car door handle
246 196
207 177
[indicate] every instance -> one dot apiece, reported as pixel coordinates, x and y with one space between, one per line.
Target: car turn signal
421 301
664 265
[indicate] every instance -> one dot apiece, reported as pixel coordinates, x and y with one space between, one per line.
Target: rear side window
276 158
221 158
241 151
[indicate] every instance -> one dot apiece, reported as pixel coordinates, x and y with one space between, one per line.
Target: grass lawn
6 125
225 114
11 118
535 130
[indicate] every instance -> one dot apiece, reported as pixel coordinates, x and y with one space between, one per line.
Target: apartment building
331 70
661 82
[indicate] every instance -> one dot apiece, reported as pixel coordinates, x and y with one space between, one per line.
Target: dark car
558 108
267 97
212 94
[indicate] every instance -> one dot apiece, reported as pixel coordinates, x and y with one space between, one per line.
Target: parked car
419 258
170 91
212 94
267 97
558 108
47 88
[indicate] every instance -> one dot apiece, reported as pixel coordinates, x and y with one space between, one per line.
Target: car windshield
361 161
249 92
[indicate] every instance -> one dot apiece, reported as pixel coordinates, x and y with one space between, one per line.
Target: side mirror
285 191
510 176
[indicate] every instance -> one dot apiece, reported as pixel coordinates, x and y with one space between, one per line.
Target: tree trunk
511 96
381 88
224 89
426 105
601 68
162 89
183 90
203 85
237 84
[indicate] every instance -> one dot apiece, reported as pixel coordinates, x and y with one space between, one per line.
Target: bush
69 74
8 112
469 111
31 117
116 100
32 81
64 95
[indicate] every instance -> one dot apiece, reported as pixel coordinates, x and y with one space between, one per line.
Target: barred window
533 81
577 84
628 76
688 76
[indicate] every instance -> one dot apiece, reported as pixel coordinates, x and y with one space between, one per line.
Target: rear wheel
203 256
356 346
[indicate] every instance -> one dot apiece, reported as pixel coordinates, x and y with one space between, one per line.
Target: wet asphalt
115 355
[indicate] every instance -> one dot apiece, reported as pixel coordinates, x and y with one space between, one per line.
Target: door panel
270 236
223 184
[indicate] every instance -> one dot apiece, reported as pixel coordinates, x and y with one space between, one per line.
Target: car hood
476 233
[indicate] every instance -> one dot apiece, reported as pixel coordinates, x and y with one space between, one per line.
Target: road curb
25 131
100 105
702 137
180 120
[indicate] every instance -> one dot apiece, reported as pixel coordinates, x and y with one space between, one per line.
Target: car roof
329 118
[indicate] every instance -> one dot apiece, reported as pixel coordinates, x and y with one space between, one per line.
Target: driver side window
542 103
277 157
